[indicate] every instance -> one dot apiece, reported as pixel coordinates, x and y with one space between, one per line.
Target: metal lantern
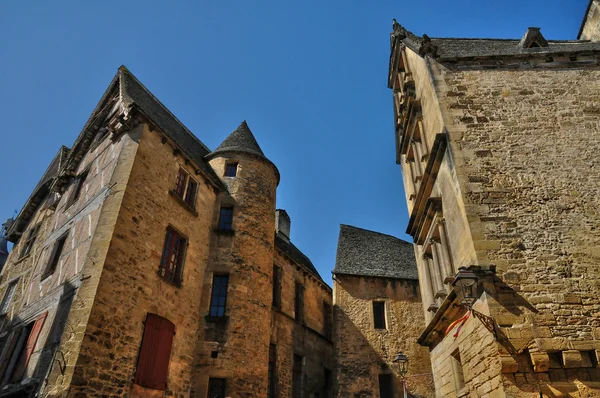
466 280
401 362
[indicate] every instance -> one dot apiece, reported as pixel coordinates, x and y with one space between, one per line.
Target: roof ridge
123 69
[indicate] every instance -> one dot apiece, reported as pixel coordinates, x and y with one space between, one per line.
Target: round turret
252 181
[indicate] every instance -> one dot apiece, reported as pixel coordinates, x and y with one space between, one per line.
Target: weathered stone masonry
517 190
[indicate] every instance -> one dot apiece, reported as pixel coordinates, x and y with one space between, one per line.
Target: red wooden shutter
29 347
153 362
9 353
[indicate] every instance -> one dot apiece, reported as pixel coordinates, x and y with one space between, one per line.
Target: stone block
541 361
508 364
572 359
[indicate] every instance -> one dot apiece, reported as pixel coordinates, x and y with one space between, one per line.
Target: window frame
182 188
376 314
57 253
219 380
224 226
30 241
231 166
164 267
217 294
9 295
78 183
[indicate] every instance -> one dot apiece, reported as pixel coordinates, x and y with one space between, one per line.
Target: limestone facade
110 288
496 140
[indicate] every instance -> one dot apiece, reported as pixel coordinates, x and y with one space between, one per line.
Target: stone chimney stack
282 224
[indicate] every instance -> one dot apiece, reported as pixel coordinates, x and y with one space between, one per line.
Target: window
299 302
218 300
216 388
327 319
379 315
386 385
186 188
327 391
55 256
225 219
17 356
457 370
155 353
171 262
8 296
231 169
277 287
79 182
272 388
297 376
28 244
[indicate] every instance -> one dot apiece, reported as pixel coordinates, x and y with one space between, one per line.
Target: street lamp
401 363
466 280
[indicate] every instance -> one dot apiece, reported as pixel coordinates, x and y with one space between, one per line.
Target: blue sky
308 76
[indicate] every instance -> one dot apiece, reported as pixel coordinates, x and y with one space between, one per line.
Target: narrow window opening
379 315
277 287
459 378
218 301
299 303
297 376
225 219
216 388
272 388
231 169
31 236
8 296
79 184
214 354
386 385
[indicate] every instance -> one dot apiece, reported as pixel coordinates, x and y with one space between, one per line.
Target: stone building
377 307
146 265
498 142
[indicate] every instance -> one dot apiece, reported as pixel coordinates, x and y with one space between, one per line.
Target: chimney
282 224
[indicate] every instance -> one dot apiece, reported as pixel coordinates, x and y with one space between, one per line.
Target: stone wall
75 277
591 25
525 141
308 339
241 339
363 352
130 286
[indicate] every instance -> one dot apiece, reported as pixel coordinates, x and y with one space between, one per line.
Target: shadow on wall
363 353
49 360
556 381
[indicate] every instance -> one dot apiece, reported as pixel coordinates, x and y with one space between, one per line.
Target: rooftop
368 253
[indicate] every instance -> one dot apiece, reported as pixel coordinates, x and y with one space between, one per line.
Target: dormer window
231 169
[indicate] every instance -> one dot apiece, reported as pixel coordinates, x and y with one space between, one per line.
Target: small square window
231 169
225 219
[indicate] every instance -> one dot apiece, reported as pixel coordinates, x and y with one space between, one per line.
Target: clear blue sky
308 76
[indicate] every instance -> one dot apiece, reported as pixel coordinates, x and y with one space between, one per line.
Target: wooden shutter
153 361
29 347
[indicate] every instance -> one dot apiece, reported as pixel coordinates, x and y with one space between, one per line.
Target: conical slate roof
241 140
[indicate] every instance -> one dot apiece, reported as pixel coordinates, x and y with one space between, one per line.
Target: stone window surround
438 268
